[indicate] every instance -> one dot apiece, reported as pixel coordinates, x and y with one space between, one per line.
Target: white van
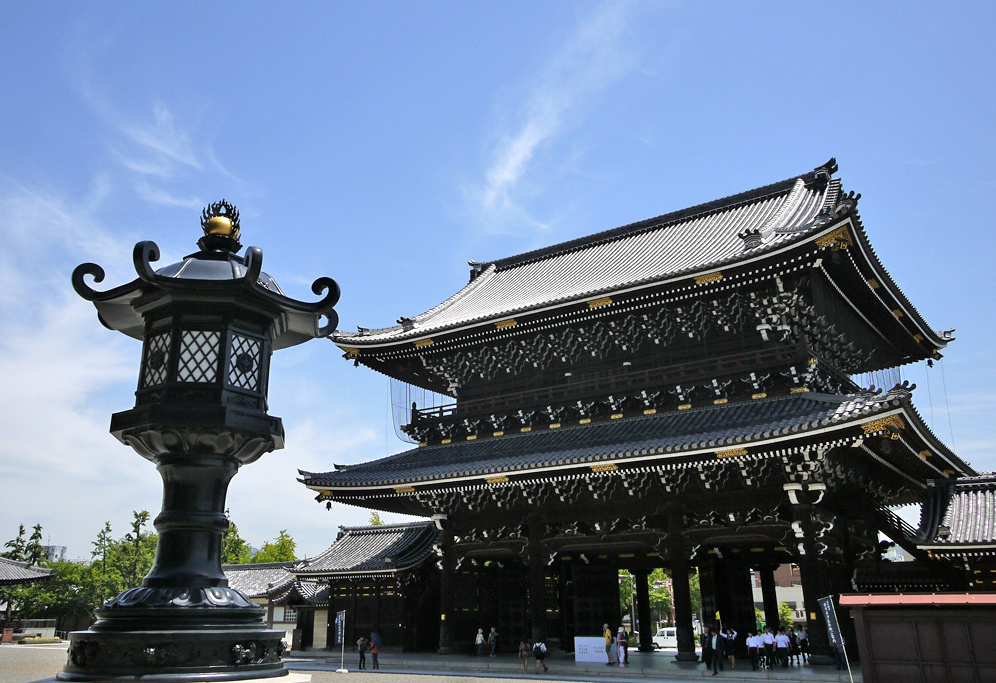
666 638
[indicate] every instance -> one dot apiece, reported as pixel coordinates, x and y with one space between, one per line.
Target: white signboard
589 650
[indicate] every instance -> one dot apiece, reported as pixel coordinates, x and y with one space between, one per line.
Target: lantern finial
220 222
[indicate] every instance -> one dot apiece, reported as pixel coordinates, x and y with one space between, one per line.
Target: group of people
527 648
371 645
767 648
617 644
718 644
770 647
537 649
491 641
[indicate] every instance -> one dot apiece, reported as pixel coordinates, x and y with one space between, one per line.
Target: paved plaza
30 663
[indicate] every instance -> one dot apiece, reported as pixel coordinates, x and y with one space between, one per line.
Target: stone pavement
33 663
647 666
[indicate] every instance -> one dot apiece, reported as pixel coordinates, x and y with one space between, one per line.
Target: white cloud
161 137
157 196
591 59
58 464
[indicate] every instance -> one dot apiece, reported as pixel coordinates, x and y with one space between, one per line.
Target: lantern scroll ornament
209 325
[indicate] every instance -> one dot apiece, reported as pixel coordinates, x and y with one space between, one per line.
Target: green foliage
785 614
16 546
77 589
696 590
34 552
71 596
625 591
102 545
234 548
282 549
660 595
375 519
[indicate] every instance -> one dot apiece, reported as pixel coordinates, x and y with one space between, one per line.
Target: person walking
802 635
607 634
493 641
718 642
539 652
361 647
731 637
752 648
707 653
479 641
768 641
782 648
524 653
622 643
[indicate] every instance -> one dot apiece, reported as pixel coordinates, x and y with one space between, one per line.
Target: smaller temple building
381 575
259 582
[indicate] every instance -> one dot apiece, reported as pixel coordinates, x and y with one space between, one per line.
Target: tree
660 595
281 549
696 592
15 546
102 546
625 591
375 519
135 553
785 614
34 551
234 548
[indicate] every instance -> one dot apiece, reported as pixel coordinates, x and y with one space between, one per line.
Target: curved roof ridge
386 527
662 221
478 281
791 203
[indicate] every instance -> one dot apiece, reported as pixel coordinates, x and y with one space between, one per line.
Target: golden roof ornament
220 222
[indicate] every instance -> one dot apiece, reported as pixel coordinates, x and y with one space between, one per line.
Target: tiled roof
256 580
295 592
723 426
373 548
971 514
12 571
686 241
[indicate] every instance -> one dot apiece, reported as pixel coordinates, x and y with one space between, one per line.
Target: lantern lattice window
198 360
156 360
243 369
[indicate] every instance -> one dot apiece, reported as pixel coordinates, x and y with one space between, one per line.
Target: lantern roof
214 273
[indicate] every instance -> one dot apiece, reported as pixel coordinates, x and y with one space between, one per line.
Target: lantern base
197 635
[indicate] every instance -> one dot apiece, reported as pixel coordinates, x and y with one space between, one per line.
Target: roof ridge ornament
751 238
823 173
846 203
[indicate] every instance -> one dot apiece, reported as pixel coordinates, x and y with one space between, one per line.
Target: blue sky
385 144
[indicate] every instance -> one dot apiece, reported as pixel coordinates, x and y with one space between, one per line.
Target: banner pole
340 633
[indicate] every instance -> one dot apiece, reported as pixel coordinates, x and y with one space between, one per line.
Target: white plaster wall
321 629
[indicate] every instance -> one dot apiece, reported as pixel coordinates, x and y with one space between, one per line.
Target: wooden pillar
768 594
680 584
379 584
447 584
537 580
803 499
740 610
645 626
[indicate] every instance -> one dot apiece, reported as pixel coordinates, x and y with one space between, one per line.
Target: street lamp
209 325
